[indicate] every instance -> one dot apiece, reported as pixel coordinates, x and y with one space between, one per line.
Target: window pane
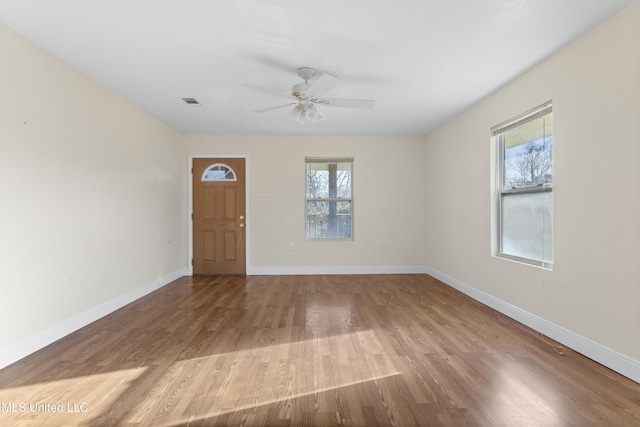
527 154
526 225
215 175
328 219
218 172
328 180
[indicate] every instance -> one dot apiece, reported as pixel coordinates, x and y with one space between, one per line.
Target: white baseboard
302 271
613 360
17 351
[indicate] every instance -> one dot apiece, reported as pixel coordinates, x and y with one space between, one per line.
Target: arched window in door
218 172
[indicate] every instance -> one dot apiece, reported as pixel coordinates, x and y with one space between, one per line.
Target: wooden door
219 237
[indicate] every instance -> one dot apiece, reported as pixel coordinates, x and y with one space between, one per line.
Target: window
329 202
525 184
218 172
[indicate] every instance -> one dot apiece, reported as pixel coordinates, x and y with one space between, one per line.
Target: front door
219 216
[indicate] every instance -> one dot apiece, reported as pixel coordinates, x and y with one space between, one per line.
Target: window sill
544 265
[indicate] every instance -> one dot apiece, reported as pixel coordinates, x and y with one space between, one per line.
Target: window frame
498 132
336 160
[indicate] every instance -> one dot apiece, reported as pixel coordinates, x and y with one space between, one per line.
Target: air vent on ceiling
192 102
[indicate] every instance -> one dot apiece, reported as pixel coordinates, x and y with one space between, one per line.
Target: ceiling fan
307 97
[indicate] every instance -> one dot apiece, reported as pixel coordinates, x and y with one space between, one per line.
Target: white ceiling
422 61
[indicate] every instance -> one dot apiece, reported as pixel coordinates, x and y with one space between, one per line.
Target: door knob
241 225
241 216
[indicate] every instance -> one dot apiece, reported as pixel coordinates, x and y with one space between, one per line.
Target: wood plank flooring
392 350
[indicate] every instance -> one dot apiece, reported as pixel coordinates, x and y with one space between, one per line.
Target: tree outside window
329 198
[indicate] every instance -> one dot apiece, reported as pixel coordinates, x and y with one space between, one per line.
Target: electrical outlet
383 246
291 247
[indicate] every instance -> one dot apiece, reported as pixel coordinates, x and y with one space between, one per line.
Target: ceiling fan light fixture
297 114
313 115
302 113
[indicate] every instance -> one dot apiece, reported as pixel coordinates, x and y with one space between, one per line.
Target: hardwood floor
364 350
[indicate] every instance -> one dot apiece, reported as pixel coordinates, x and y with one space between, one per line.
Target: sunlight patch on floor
519 400
254 378
57 401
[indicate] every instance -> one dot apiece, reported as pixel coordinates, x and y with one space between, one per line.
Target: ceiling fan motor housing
300 90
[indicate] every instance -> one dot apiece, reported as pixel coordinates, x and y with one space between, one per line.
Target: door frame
190 204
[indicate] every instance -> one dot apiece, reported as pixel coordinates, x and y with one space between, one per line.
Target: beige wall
594 288
91 191
388 206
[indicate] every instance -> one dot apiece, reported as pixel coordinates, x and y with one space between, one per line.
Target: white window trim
329 199
497 133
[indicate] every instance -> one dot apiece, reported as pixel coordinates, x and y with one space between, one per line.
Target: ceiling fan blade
324 84
347 103
269 91
277 107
